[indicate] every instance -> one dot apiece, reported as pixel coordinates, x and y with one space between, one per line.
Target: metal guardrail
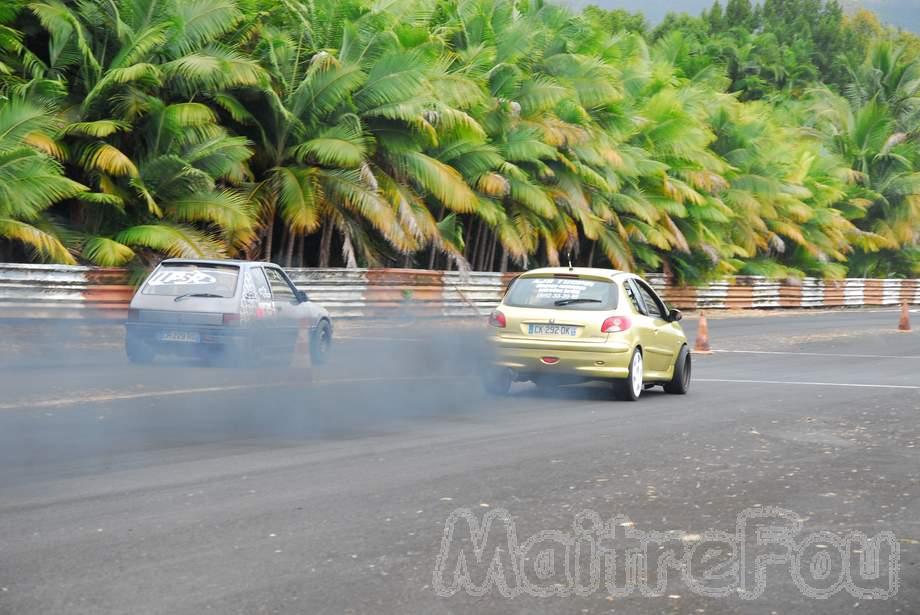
61 291
74 292
341 291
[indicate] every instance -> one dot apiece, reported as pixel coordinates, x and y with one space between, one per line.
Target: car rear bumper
210 337
533 358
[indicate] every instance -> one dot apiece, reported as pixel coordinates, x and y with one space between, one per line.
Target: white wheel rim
637 374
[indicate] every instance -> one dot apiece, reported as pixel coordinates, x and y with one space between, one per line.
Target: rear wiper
199 295
571 301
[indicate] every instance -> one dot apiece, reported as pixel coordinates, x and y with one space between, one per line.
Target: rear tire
680 381
321 343
138 351
631 388
497 381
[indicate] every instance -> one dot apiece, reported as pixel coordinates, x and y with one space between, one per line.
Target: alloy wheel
636 370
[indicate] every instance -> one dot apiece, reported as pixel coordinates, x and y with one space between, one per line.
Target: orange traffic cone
702 336
904 323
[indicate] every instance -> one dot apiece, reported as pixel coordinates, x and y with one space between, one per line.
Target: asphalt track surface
181 489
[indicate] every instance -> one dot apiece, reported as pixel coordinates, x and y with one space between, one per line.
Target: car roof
214 261
585 271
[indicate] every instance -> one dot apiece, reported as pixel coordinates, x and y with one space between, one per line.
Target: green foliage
776 138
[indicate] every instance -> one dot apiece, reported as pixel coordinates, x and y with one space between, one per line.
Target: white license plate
552 330
179 336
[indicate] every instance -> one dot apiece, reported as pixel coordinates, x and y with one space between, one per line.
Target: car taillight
231 319
615 324
497 319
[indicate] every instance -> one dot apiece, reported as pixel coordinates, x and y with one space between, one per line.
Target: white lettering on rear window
166 277
561 289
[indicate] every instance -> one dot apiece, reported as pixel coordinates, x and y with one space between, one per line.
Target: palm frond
214 69
437 178
229 210
106 159
31 182
141 74
202 21
344 145
176 240
299 197
97 128
106 252
45 244
20 119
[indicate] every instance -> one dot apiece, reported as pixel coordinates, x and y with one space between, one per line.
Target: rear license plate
552 330
179 336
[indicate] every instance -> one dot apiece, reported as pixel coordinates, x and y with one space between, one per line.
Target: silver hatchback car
228 311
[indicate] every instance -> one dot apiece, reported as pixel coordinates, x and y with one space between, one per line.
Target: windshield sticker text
561 289
181 278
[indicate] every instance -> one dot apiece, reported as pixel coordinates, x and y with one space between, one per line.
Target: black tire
321 343
627 390
497 381
680 381
138 351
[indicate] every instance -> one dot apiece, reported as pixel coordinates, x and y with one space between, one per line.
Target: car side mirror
674 315
302 296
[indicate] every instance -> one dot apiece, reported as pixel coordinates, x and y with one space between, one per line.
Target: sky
901 13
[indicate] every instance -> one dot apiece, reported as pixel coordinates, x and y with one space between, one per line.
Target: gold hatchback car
565 325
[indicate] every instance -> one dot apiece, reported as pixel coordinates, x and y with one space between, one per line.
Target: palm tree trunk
267 242
476 245
289 256
434 251
269 230
504 266
591 254
299 251
480 246
492 250
484 248
325 244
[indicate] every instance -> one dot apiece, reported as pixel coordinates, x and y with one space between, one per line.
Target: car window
261 284
200 279
280 287
652 303
508 287
633 293
563 292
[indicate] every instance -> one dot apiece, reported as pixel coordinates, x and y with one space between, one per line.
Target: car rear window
172 280
560 292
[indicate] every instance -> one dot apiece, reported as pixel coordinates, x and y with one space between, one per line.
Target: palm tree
31 181
348 132
161 167
886 193
787 195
